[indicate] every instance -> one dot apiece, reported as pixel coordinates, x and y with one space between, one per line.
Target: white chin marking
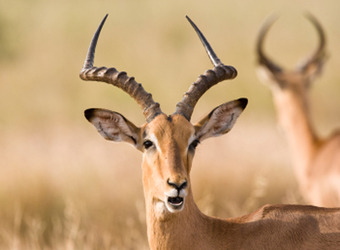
162 208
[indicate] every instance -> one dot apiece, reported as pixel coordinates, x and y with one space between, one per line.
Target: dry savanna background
64 187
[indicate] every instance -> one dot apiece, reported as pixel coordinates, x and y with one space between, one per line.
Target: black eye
147 144
194 144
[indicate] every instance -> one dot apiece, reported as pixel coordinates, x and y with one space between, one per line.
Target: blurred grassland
63 187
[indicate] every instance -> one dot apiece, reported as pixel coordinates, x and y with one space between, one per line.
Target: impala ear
113 126
220 120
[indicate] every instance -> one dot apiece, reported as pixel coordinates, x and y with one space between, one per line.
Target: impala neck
293 114
167 230
177 230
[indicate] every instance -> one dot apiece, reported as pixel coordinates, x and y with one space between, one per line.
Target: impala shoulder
278 211
265 212
282 211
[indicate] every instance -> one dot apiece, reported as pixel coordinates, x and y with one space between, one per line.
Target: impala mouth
175 204
175 201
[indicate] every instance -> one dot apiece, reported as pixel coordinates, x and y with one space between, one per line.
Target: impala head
302 76
168 142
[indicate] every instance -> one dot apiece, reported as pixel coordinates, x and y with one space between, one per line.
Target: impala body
316 160
168 144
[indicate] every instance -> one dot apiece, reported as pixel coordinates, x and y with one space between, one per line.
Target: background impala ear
113 126
220 120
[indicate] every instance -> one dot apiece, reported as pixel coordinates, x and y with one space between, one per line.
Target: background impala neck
294 118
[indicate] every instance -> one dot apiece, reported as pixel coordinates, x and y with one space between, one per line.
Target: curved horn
262 58
119 79
211 77
320 53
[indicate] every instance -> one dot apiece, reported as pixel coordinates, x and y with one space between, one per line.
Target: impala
168 144
316 160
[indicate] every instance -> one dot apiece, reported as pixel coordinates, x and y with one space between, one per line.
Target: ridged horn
220 73
119 79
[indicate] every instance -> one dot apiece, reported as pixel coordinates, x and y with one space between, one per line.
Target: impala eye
194 144
147 144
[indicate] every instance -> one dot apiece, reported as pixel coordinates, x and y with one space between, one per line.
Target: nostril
178 186
183 185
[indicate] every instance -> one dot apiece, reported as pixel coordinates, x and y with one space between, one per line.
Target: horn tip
105 17
189 20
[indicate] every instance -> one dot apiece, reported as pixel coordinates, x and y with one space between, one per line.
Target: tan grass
86 193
